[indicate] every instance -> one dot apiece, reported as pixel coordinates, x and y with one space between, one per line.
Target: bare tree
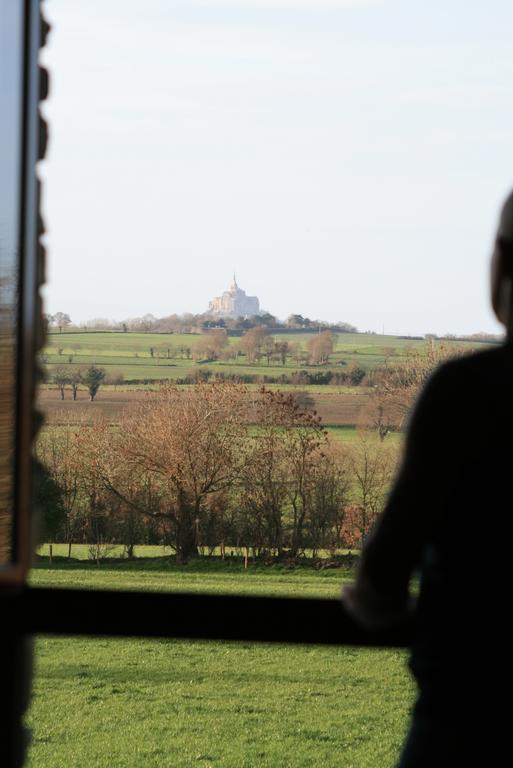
280 471
264 479
282 350
320 347
330 495
268 348
252 341
211 345
60 451
373 466
305 441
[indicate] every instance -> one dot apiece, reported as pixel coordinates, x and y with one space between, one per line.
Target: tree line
91 377
208 468
194 323
258 344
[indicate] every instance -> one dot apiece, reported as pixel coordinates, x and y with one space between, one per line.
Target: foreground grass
108 702
161 574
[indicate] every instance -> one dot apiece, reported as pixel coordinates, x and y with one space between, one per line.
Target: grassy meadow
130 353
106 702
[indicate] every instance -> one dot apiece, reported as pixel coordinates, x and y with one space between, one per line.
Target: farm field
336 408
108 702
153 569
152 356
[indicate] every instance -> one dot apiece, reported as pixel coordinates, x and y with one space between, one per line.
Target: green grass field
129 353
108 703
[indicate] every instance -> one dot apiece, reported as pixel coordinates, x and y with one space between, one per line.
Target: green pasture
159 568
347 434
130 353
154 569
114 343
109 703
130 370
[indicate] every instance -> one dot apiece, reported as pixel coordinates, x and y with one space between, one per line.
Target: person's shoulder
461 377
475 364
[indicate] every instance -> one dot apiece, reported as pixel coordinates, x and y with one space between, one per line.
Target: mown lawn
108 702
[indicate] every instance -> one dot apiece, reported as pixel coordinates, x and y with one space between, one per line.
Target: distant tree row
353 376
194 323
67 376
215 466
258 344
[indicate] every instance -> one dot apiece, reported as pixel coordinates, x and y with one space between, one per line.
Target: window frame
202 616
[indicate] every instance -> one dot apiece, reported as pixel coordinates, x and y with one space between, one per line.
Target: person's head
502 268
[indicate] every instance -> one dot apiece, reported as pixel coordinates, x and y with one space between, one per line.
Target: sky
10 111
346 158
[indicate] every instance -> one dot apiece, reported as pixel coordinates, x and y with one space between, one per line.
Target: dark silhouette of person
449 517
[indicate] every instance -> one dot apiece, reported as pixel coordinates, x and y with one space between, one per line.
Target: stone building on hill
234 303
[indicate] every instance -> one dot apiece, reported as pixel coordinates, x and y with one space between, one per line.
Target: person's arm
380 595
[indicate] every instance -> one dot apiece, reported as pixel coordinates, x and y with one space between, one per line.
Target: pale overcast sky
345 157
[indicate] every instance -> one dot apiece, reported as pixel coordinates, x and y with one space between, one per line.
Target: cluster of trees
67 376
258 344
193 323
353 375
213 345
320 347
213 465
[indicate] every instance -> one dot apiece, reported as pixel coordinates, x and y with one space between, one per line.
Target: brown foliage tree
280 470
182 446
264 479
373 466
252 341
59 450
211 345
330 495
320 347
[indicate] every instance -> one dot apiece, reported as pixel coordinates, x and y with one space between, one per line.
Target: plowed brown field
336 409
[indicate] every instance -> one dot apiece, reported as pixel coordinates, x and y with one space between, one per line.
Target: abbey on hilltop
234 303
